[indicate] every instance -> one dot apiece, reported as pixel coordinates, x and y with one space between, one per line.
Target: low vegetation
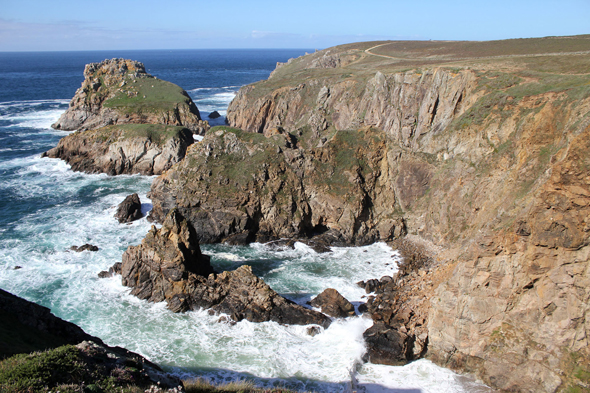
148 95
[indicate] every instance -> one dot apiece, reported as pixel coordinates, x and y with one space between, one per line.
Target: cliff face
119 91
242 187
410 107
147 149
127 122
485 161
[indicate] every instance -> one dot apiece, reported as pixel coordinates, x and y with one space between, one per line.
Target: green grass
68 369
147 95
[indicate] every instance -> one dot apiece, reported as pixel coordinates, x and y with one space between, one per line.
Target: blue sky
32 25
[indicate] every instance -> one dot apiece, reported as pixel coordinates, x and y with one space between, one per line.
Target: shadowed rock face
33 328
168 266
129 210
264 188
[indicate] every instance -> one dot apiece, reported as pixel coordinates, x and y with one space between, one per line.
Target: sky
58 25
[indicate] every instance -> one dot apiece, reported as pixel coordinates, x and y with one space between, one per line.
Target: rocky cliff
147 149
478 151
72 359
119 91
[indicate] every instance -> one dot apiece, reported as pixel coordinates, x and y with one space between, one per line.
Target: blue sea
45 208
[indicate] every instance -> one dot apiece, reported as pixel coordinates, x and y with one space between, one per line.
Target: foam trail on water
32 114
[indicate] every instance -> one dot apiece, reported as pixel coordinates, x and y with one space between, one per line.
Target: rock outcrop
126 122
261 188
168 266
119 91
147 149
129 210
332 303
484 161
28 327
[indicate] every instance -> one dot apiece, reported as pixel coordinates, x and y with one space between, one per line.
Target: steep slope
39 352
477 150
147 149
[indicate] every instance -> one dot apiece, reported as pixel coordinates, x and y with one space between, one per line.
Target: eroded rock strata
168 266
126 122
147 149
485 161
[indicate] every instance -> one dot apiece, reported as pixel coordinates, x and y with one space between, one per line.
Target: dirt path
368 51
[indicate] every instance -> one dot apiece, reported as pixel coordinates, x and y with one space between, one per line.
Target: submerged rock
169 266
129 210
85 247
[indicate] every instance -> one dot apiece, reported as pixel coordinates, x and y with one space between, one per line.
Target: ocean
45 208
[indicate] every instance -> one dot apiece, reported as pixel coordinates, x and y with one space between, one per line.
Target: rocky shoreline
476 173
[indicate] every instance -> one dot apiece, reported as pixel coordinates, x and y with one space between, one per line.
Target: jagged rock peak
116 66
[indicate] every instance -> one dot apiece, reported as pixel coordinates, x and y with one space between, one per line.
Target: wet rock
314 330
85 247
386 345
363 308
129 210
214 115
115 269
169 266
369 285
332 303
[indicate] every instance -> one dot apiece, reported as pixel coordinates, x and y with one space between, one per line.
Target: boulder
332 303
129 210
169 266
85 247
386 345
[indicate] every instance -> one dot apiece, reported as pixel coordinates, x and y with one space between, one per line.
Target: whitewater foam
28 114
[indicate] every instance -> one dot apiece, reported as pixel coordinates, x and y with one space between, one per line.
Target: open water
45 208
